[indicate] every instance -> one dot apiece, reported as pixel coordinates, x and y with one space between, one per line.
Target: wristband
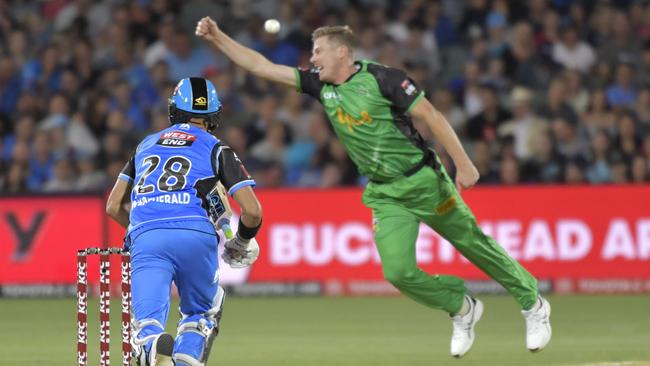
245 232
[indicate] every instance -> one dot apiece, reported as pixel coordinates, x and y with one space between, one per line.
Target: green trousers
431 197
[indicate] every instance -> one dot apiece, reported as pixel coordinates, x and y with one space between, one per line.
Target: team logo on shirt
408 87
176 139
350 122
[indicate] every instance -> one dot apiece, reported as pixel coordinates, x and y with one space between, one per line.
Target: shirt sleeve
231 171
396 86
308 82
128 172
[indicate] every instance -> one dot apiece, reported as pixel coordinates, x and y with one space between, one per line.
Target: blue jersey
172 172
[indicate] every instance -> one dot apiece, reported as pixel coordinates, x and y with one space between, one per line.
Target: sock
538 305
464 309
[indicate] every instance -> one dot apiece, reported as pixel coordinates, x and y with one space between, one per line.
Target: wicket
104 305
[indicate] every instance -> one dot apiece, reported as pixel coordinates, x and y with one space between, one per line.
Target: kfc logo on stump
176 139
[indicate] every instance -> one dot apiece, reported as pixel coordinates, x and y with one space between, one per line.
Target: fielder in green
370 107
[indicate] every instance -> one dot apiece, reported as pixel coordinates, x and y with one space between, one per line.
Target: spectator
577 96
598 115
622 93
496 25
571 52
123 100
569 143
472 24
41 163
482 158
545 165
20 153
642 107
548 35
470 89
43 73
509 171
292 113
9 86
644 69
521 59
18 47
443 27
646 147
368 40
445 103
420 48
574 171
90 178
112 148
159 50
309 175
276 50
184 60
598 170
82 62
337 154
556 105
267 114
484 126
496 74
15 180
524 125
237 139
271 176
271 148
620 45
332 176
63 179
639 170
620 170
24 132
627 140
70 86
80 138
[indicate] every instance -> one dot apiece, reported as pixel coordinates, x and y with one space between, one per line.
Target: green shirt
368 113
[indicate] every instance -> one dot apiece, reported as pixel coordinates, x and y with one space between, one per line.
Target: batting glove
239 253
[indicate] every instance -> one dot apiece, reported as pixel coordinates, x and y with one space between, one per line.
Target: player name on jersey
176 139
171 198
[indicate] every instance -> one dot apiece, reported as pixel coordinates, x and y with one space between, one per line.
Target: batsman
167 197
370 107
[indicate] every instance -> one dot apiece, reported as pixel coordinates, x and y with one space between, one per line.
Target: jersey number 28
173 177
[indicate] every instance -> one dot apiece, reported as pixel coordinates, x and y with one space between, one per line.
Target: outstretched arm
244 57
466 173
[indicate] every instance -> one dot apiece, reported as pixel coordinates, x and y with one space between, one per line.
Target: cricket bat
223 223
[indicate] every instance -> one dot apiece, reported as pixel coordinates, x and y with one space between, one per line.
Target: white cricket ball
272 26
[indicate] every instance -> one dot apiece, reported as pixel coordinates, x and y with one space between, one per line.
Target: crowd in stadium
540 91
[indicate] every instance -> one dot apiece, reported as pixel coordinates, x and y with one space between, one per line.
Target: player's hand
466 176
239 253
207 29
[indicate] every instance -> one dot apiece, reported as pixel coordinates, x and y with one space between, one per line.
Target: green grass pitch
587 330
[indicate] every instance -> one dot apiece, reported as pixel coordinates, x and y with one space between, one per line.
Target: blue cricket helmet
195 97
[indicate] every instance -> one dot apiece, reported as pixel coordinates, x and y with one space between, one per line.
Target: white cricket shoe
462 337
162 350
538 325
